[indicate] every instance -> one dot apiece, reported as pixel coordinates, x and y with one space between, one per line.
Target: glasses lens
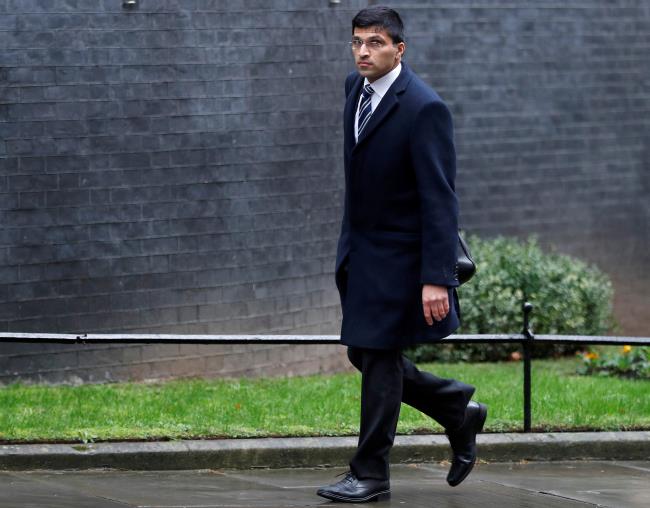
356 44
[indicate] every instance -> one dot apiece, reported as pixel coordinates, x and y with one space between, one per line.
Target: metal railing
526 339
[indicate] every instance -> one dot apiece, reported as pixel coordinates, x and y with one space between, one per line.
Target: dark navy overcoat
400 220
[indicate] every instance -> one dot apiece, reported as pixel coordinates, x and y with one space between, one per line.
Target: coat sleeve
343 246
434 161
345 222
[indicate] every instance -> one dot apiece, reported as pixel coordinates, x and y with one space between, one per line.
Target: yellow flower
591 356
627 349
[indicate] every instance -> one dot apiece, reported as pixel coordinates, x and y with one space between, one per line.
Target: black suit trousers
388 378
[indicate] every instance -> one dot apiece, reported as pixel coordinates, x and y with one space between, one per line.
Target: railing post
527 345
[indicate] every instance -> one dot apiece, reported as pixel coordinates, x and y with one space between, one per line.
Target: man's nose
363 50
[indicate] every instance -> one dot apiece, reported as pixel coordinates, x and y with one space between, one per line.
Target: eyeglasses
372 45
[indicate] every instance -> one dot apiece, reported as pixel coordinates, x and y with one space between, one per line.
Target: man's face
374 52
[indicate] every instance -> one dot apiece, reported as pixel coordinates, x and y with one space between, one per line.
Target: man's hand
435 302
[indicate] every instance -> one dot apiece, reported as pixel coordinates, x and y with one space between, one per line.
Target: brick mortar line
256 247
218 288
495 132
215 46
174 187
152 219
97 365
140 10
172 272
159 237
203 165
578 150
136 221
234 164
586 66
95 206
128 239
500 115
210 303
181 306
594 6
189 80
209 320
306 93
322 290
459 88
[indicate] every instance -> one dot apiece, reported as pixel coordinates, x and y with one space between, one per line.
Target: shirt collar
381 85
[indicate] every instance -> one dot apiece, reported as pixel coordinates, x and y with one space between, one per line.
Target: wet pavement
615 484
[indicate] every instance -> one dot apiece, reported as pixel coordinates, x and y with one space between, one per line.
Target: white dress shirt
380 87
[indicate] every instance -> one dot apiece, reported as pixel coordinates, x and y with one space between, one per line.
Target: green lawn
309 406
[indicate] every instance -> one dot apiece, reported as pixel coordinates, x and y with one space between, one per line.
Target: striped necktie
365 108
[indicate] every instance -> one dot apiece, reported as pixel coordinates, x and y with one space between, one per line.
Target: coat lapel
386 105
349 112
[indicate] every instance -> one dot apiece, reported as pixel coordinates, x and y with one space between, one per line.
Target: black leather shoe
352 490
463 442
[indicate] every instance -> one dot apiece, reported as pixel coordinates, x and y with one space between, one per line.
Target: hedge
569 297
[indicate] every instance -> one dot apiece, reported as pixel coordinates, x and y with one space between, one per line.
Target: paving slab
19 491
599 483
568 484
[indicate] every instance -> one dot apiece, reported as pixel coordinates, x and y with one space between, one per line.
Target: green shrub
569 297
628 361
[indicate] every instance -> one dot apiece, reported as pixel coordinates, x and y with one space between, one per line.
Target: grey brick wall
552 109
176 168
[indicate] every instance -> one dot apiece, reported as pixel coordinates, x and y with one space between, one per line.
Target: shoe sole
482 414
377 496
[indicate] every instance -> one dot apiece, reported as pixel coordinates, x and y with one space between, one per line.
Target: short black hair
383 17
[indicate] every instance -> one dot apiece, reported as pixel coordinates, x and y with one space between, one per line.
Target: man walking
397 253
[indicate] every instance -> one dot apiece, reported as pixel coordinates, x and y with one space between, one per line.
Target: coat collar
387 104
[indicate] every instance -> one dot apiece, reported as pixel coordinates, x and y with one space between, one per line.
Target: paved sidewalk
504 485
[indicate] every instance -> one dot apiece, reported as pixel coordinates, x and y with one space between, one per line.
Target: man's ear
401 47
